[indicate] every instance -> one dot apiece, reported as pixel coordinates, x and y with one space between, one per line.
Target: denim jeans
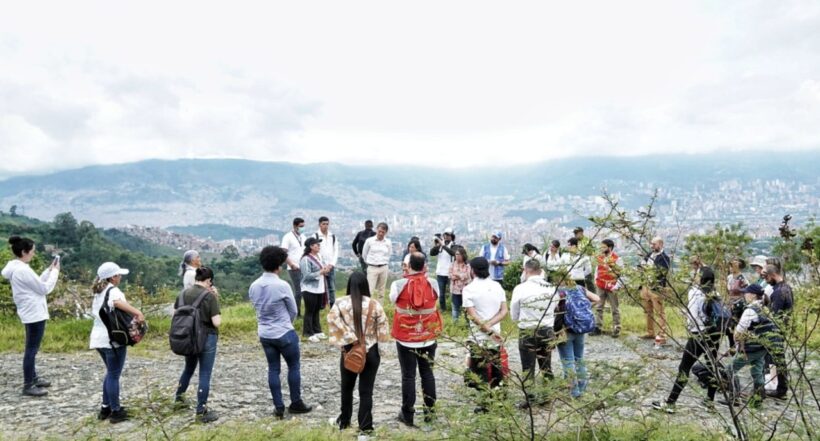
286 346
456 304
206 360
34 336
409 358
330 282
114 359
443 281
572 359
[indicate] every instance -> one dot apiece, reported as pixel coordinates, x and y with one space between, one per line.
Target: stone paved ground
239 389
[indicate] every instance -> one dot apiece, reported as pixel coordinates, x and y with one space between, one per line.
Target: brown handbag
356 357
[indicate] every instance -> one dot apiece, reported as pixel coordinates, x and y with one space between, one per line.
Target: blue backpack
578 316
718 317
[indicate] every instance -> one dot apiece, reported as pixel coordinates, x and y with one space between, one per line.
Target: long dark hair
357 288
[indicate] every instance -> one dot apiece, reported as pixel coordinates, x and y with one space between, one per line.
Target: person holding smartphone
29 292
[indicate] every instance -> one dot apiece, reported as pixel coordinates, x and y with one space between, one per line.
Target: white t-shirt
531 301
99 334
486 296
445 260
295 244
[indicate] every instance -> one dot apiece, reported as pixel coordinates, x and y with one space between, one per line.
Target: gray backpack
187 335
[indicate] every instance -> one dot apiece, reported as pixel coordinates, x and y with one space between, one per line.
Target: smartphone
56 259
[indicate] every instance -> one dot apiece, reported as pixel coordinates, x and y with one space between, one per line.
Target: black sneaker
776 395
596 331
299 407
180 403
206 416
404 420
429 416
41 382
279 413
105 412
616 332
663 407
342 425
118 416
34 391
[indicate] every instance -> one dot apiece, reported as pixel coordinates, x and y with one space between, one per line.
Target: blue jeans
330 282
114 359
456 304
34 336
443 281
206 360
288 347
572 359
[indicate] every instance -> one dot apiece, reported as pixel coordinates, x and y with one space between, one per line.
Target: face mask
299 229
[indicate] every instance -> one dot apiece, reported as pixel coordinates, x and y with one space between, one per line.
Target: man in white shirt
376 254
294 242
533 307
485 304
330 255
443 248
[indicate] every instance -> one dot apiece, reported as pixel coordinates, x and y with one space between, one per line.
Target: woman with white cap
105 286
187 268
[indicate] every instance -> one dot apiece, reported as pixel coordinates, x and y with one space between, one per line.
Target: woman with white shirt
556 261
530 252
187 268
29 293
113 355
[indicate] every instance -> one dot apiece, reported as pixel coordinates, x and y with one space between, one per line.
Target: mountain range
259 194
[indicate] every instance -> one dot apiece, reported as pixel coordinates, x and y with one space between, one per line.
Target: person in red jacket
607 285
416 324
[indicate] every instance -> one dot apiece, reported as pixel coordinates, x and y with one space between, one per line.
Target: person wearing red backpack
416 324
607 285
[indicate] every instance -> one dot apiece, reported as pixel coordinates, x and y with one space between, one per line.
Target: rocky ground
239 390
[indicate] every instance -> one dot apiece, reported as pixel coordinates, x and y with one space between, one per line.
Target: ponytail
99 285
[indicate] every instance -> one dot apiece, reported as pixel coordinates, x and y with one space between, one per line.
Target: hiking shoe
663 407
41 382
118 416
314 338
774 394
322 336
206 416
34 391
708 404
616 332
105 412
299 407
596 331
647 337
523 405
660 341
404 420
279 413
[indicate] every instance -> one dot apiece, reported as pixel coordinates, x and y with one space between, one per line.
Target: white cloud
454 83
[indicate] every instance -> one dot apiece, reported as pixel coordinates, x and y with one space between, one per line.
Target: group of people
560 299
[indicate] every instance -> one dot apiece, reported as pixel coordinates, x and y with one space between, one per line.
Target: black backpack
188 334
122 330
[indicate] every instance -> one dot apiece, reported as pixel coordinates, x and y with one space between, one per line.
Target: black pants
777 357
696 346
409 358
366 381
485 362
311 323
296 282
535 345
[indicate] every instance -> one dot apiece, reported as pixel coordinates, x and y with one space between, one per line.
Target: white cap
759 260
109 270
448 230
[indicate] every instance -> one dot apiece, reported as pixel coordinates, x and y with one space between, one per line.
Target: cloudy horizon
454 85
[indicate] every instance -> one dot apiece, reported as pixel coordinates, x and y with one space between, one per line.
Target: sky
452 84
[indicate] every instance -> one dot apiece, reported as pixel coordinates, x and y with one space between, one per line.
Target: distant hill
260 194
220 232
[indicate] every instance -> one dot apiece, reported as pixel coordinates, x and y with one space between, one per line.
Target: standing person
485 305
210 317
556 261
360 239
781 306
376 254
29 293
576 302
294 242
275 306
109 276
607 285
533 307
349 318
585 247
460 276
314 292
654 291
702 341
416 323
530 252
414 246
443 248
496 255
330 256
187 268
579 266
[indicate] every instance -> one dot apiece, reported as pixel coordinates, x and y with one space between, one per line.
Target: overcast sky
432 82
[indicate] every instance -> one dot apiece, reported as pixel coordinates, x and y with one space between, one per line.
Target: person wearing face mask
496 255
530 252
607 284
294 242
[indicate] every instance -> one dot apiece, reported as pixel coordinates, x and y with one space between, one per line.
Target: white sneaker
321 336
313 338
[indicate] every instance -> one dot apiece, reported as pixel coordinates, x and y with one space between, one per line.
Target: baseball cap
109 270
498 234
754 289
312 240
759 260
448 230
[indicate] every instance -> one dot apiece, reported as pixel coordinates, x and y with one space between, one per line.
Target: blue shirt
275 306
